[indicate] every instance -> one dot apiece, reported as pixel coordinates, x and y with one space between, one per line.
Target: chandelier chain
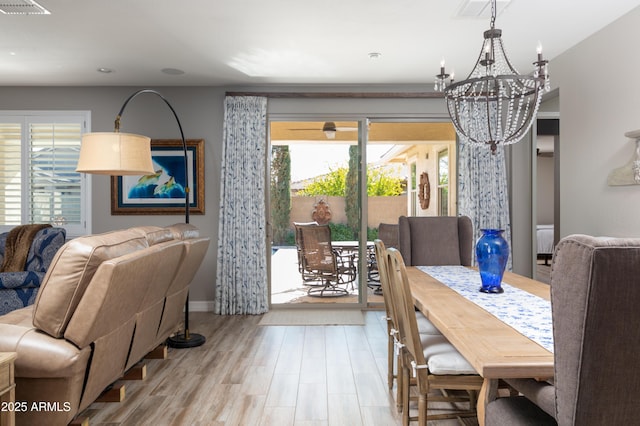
493 14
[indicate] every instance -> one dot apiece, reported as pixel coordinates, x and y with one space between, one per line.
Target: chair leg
406 380
390 361
400 384
422 409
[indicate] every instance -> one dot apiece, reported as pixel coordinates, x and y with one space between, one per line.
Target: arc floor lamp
118 154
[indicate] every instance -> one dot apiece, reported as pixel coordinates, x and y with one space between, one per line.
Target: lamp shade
114 153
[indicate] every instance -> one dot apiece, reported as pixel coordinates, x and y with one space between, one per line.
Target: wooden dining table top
493 348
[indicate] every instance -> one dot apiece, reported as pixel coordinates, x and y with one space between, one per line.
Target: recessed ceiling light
104 70
374 55
172 71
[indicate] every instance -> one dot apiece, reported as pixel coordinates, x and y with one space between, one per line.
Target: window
38 182
443 183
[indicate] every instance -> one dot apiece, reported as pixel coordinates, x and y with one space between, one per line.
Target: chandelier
494 105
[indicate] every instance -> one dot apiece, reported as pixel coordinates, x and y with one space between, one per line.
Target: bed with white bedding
544 237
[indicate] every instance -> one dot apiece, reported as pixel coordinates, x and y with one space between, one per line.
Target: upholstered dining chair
434 362
436 240
388 233
326 264
595 289
394 357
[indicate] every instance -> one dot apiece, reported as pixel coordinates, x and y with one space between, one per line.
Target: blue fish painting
167 182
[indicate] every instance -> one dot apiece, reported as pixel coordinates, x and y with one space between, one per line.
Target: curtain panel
241 282
482 189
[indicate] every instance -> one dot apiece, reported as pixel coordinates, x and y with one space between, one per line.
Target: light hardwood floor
247 374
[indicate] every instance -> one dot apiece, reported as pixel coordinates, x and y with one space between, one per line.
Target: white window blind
38 181
10 173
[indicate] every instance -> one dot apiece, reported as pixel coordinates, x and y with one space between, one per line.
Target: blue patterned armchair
19 289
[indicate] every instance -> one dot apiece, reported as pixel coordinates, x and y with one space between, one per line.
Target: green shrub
340 232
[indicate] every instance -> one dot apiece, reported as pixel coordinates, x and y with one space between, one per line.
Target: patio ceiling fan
329 128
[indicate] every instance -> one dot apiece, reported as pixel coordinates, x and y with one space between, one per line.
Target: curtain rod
351 95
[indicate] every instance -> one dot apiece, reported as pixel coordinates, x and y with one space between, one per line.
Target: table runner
527 313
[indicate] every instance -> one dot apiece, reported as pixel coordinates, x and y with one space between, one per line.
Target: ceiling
258 42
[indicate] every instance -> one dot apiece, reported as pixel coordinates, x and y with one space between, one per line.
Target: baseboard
201 306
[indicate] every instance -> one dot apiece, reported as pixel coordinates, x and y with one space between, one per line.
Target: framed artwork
163 192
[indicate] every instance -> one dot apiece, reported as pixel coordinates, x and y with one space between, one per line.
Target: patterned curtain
483 194
241 282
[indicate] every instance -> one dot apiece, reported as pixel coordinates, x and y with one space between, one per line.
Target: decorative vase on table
492 253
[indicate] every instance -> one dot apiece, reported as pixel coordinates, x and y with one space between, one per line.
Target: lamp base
179 341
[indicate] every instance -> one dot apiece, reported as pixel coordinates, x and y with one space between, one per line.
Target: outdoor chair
595 288
388 235
433 361
330 267
308 275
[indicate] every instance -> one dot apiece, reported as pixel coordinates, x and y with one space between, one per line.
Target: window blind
38 181
55 186
10 173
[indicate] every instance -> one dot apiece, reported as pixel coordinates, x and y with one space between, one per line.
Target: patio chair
308 275
326 264
388 235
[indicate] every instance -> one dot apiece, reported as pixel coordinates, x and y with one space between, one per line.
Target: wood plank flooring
246 374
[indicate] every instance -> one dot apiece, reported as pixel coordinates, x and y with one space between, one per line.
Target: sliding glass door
357 177
315 178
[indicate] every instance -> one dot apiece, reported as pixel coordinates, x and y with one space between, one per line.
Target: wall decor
163 191
424 191
629 174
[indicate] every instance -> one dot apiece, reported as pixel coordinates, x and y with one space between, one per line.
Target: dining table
506 335
352 246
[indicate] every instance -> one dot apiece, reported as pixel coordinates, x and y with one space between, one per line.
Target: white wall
599 82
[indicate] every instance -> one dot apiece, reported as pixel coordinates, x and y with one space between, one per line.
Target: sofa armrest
40 355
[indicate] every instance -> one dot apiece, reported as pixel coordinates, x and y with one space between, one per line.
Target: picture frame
163 193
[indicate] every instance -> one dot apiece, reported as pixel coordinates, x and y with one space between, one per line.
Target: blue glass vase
492 253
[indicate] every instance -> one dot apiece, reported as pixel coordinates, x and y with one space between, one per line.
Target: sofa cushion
71 271
154 234
184 231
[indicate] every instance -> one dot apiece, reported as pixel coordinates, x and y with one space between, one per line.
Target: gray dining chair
435 240
595 289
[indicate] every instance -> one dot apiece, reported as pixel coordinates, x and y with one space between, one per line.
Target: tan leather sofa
105 302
